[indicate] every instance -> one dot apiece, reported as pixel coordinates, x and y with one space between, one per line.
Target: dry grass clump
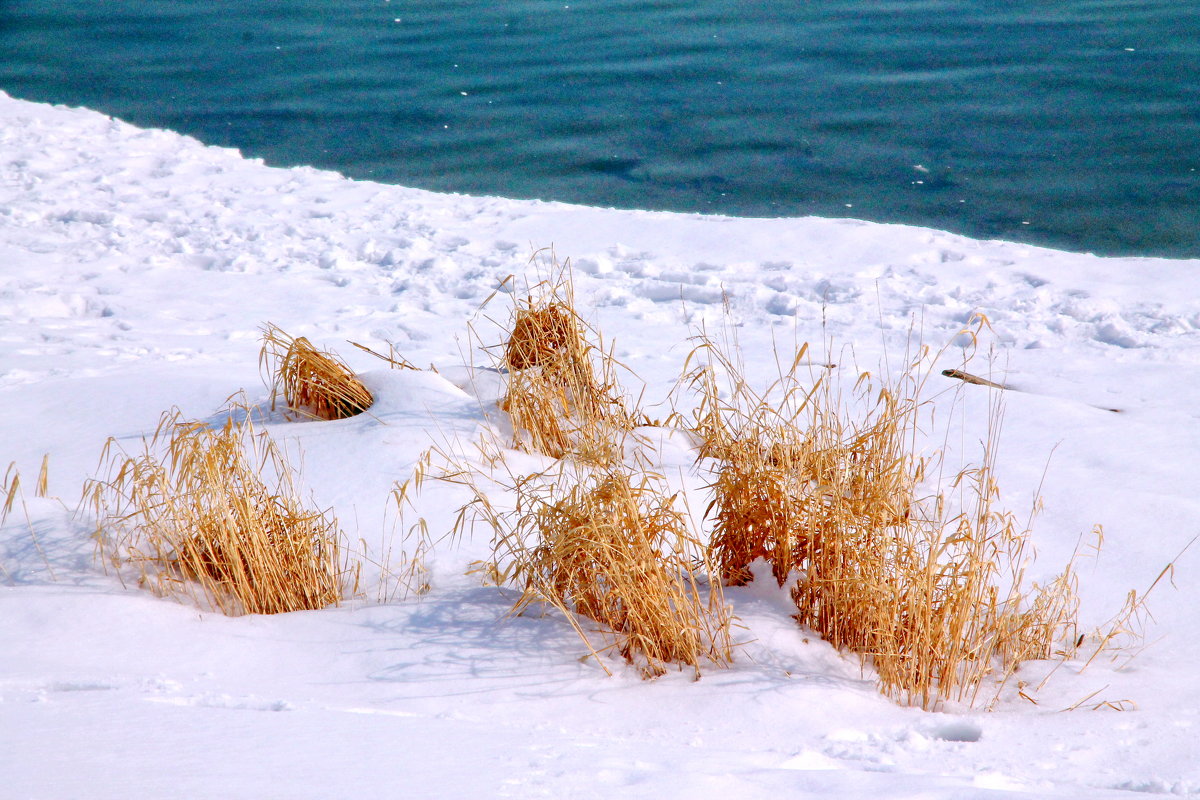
616 550
792 459
214 514
317 384
940 604
555 394
826 489
547 336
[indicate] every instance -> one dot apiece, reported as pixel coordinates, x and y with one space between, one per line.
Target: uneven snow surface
136 268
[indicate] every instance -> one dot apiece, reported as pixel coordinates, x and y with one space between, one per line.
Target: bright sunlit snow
136 268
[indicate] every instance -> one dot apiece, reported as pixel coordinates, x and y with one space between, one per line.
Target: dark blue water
1069 123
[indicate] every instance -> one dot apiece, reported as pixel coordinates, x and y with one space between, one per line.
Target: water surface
1074 124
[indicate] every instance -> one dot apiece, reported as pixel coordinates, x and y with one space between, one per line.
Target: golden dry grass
11 491
9 487
792 458
559 402
42 489
411 576
825 488
613 548
597 540
393 358
314 383
214 514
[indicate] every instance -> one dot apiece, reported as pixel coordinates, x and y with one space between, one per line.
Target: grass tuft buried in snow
215 514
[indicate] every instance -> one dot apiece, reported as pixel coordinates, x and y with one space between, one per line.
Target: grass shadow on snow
47 547
469 633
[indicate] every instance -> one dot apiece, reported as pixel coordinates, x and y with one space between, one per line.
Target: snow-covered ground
136 268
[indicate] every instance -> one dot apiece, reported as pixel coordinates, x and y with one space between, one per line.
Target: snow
137 268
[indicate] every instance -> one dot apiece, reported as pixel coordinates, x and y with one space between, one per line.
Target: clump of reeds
214 514
791 458
557 399
615 549
314 383
826 489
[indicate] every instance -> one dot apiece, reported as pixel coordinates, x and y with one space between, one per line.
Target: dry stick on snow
395 359
967 377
